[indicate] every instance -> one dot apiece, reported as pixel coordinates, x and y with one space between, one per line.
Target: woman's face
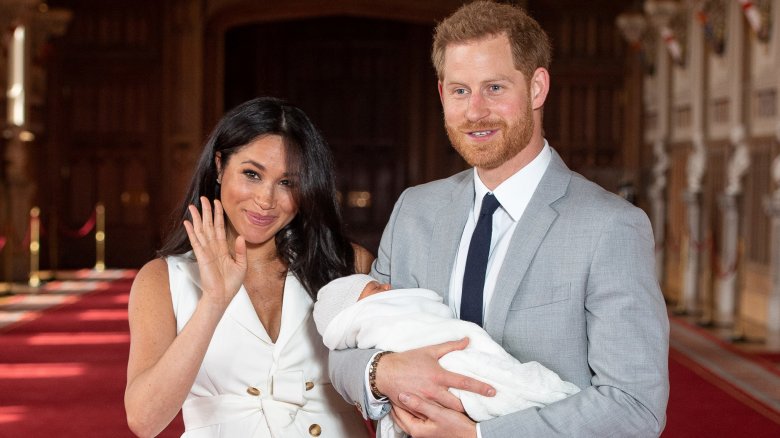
257 192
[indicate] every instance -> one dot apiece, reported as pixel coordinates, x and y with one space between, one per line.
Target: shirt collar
516 191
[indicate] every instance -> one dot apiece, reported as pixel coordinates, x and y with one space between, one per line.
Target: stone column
772 206
660 13
690 300
658 204
728 297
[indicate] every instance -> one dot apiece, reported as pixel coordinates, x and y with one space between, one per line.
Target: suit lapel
296 307
537 219
243 312
446 236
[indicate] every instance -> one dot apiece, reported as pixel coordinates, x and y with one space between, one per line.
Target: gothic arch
222 15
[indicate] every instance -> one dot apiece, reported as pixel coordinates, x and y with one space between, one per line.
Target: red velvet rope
83 231
77 234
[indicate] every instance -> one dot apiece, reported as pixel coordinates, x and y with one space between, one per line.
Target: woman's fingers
219 221
208 221
197 225
197 247
210 225
207 231
191 234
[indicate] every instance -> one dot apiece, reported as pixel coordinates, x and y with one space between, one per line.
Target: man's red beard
491 154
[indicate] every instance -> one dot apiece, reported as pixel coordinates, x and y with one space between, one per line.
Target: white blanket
405 319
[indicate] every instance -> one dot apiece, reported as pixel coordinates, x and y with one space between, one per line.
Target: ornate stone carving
696 163
739 162
712 15
758 15
662 13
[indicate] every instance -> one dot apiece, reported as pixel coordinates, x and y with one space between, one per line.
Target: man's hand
418 372
432 421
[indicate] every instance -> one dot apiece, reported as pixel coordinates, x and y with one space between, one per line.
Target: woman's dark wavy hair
313 245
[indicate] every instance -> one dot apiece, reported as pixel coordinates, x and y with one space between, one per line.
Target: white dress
249 386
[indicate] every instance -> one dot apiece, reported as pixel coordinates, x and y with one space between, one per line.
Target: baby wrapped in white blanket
405 319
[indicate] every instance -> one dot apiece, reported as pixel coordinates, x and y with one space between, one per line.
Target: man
569 280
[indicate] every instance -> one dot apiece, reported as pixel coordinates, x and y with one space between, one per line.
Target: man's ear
540 86
441 90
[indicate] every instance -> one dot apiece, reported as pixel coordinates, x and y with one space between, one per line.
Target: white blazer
248 386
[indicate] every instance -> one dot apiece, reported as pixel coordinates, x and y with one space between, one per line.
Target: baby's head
373 288
340 293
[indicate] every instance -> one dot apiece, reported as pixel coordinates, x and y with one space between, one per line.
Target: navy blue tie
476 262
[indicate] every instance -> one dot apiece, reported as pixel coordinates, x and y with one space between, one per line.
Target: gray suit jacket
577 292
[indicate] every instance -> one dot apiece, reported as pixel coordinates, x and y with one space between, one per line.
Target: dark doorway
359 80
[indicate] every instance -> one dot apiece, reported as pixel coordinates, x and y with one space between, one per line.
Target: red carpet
701 405
62 374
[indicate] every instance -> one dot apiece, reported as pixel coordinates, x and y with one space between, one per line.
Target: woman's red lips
260 219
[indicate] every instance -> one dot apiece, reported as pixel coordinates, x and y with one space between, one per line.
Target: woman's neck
264 259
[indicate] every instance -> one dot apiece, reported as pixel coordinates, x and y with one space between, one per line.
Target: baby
358 312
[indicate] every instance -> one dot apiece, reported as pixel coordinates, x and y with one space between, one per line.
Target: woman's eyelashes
254 175
251 174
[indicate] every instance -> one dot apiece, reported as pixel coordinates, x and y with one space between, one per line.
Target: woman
221 324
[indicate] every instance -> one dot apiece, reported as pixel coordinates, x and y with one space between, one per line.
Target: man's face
487 108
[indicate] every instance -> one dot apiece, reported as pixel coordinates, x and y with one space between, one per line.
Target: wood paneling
104 114
586 108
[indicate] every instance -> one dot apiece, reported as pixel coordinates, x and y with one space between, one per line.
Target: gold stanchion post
35 247
100 237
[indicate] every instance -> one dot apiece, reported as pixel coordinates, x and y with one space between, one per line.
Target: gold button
309 385
253 391
315 430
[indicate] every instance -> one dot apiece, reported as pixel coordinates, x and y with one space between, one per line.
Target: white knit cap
336 296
